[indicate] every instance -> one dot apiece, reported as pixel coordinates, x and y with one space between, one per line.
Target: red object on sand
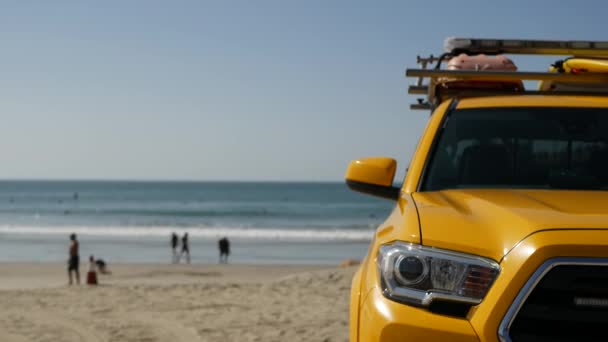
92 278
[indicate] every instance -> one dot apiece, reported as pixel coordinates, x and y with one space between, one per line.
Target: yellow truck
500 227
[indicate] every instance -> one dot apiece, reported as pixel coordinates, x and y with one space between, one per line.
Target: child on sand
92 274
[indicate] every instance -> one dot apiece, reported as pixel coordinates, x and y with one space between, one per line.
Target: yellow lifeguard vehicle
500 229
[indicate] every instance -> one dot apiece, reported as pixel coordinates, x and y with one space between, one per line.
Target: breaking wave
291 234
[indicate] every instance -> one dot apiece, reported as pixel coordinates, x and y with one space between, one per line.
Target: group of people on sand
99 265
223 245
95 265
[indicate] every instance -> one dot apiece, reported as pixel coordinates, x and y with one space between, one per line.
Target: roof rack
455 46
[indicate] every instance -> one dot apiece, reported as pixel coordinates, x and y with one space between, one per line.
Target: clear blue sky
233 90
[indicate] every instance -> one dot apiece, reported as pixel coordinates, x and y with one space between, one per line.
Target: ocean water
132 221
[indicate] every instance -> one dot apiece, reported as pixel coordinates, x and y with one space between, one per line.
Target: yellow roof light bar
526 47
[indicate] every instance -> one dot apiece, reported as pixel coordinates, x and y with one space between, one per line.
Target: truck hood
491 222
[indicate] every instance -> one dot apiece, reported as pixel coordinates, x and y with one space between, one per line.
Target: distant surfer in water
74 260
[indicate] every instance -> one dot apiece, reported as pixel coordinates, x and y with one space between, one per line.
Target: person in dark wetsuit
185 248
74 260
174 239
224 246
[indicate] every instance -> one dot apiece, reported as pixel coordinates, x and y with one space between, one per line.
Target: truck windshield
536 148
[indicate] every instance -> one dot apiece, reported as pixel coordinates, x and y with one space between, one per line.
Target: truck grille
569 303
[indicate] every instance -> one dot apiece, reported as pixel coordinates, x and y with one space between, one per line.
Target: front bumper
385 320
381 319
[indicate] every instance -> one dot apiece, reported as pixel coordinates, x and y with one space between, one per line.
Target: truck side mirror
373 176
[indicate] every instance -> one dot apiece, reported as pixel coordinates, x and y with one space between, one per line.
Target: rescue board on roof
577 66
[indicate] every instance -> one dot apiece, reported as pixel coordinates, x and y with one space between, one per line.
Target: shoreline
38 275
147 250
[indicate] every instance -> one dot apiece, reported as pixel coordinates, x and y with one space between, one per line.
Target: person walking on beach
185 248
174 239
224 246
74 260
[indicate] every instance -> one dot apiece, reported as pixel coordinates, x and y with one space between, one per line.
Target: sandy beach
154 302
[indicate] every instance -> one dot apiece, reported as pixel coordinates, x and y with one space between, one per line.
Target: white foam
303 234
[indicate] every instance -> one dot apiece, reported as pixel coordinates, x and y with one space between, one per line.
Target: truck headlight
419 275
